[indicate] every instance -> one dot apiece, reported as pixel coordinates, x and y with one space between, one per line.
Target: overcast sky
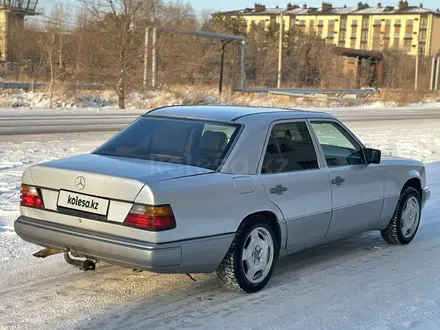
222 5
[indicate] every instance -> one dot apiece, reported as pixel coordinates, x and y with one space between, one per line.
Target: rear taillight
29 197
154 218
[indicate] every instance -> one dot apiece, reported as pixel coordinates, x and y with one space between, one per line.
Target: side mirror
373 156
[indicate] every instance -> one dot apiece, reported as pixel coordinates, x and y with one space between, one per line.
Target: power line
61 20
70 4
52 22
66 4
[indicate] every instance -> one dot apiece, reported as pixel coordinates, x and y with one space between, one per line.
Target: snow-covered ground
104 100
15 155
359 283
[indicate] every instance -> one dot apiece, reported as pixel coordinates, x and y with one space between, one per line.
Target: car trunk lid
107 176
86 188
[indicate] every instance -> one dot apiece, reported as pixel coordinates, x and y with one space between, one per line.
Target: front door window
339 147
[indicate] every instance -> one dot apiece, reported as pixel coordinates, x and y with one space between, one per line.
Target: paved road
36 122
63 123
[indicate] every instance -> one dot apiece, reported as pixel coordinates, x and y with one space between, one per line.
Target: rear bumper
201 255
426 195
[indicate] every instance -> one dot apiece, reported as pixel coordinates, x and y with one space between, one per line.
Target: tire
236 269
395 232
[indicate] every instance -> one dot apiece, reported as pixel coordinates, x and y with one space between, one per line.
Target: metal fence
190 57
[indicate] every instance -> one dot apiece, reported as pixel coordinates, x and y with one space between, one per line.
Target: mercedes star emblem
80 182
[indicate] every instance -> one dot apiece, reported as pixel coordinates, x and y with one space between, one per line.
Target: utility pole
432 81
417 70
222 65
280 55
145 77
61 50
243 64
234 68
437 75
154 60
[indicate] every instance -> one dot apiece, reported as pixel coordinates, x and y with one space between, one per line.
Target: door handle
279 189
338 181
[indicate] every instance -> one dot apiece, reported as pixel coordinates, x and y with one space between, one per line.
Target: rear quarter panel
396 172
208 205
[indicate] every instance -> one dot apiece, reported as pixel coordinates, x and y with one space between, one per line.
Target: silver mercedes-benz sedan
198 189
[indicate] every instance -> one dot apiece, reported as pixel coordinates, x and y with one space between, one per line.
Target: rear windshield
188 142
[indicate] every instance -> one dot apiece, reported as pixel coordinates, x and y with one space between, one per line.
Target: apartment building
409 28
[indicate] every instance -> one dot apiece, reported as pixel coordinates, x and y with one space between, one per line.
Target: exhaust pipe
46 253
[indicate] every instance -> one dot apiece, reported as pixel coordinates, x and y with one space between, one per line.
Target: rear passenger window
290 148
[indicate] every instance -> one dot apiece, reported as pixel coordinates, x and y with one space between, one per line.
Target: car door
357 187
294 180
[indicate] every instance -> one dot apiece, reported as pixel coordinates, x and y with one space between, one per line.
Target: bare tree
113 22
105 45
55 30
50 52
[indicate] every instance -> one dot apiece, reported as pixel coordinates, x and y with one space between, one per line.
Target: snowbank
108 100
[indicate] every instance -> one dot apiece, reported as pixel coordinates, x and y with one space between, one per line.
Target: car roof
228 113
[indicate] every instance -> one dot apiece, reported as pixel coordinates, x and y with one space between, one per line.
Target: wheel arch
393 233
414 182
278 227
231 271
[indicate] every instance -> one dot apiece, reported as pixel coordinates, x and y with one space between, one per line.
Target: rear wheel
251 258
406 219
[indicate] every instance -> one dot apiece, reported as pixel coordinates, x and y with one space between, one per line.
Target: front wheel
251 258
406 219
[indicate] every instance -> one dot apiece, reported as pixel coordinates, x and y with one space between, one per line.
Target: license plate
84 203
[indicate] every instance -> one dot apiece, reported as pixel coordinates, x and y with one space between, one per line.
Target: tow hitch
82 264
85 265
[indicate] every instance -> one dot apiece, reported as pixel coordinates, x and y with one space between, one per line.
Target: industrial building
12 17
